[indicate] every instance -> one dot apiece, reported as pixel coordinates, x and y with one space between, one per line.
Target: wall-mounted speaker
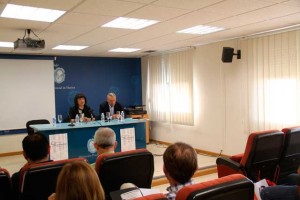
228 53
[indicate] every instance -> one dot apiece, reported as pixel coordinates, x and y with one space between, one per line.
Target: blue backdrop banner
95 77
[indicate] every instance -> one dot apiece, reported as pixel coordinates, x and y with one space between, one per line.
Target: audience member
81 107
78 181
110 105
105 141
180 164
36 149
283 192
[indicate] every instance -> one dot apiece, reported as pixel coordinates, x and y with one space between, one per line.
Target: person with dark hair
111 105
36 149
180 164
81 107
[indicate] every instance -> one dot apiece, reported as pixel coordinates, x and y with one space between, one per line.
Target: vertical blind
170 88
272 70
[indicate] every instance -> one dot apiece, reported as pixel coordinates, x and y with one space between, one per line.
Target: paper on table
258 186
127 139
138 193
58 146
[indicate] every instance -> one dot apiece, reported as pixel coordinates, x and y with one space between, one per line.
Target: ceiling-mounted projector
28 43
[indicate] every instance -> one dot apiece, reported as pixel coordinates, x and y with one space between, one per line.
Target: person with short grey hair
111 106
105 140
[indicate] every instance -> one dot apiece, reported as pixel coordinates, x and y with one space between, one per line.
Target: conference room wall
91 75
217 125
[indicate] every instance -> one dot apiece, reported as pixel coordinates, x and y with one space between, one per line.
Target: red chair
290 158
232 187
260 159
38 181
136 166
5 185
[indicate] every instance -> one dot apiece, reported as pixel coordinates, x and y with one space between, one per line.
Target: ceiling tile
99 35
141 1
161 13
235 7
163 40
187 4
107 7
292 3
275 11
81 19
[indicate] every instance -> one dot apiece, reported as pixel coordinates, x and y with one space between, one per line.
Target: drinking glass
108 116
81 117
118 115
59 118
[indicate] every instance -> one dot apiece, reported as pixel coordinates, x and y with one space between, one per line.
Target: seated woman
78 180
80 107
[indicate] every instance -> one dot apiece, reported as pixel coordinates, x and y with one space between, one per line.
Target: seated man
283 192
105 141
111 105
36 149
180 164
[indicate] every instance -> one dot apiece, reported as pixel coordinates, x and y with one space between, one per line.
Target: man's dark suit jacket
104 107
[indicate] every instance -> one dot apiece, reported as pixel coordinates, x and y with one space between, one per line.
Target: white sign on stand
127 136
58 146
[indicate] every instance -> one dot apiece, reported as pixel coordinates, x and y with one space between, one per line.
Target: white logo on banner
90 146
59 75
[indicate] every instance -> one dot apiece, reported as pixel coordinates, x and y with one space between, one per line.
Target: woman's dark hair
79 96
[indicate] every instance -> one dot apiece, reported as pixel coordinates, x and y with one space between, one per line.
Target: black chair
38 181
5 185
232 187
136 166
290 158
33 122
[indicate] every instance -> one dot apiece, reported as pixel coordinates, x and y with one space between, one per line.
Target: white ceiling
81 25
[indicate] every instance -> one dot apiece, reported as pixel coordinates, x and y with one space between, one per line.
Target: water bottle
54 121
102 117
122 116
77 119
92 116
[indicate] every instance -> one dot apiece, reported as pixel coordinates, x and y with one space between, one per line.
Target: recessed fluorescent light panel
129 23
69 47
6 44
124 50
201 30
31 13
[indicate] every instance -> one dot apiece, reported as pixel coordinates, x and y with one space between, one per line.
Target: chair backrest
232 187
33 122
136 166
38 181
262 154
5 185
290 159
